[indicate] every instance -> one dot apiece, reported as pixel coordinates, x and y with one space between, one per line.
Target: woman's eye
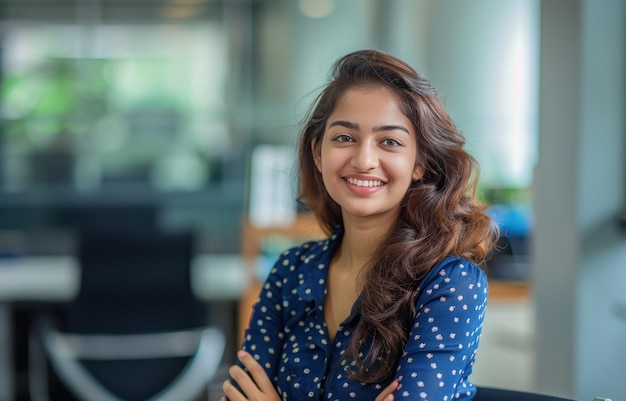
343 138
390 142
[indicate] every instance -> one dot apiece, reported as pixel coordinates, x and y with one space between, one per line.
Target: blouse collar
312 286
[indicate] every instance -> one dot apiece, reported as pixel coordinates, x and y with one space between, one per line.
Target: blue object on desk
513 220
509 260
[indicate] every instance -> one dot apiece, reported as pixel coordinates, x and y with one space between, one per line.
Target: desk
57 279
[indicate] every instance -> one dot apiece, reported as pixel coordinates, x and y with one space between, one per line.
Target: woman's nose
365 157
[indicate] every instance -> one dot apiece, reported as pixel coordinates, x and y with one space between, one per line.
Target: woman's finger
257 372
387 393
232 392
253 384
246 383
242 378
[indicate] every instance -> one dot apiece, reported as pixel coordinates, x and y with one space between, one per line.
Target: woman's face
367 156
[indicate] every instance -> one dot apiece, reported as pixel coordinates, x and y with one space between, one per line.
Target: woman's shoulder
456 264
457 274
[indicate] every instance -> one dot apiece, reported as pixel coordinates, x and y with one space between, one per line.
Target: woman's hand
387 393
256 386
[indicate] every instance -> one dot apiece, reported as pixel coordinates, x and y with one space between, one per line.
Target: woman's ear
418 173
317 154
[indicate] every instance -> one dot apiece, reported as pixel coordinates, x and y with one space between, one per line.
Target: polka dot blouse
288 336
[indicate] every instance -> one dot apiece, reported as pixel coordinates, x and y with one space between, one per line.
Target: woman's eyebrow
356 127
391 127
345 124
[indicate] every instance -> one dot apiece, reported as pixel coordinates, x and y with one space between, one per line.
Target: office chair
497 394
135 330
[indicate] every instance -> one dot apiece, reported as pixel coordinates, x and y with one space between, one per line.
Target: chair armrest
206 346
128 346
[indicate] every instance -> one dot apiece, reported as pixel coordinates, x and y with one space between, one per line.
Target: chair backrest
133 282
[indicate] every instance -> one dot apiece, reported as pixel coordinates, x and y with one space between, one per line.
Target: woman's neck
360 240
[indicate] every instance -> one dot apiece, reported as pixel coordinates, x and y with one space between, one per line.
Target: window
91 106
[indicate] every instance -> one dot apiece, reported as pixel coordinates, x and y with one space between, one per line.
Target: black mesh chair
497 394
135 330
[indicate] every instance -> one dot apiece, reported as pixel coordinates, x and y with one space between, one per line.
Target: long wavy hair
439 215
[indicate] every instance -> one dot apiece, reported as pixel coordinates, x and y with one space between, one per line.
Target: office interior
182 116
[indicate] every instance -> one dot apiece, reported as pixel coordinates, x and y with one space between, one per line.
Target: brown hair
439 215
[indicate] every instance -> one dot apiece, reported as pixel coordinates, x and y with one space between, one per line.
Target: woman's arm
263 340
254 385
444 335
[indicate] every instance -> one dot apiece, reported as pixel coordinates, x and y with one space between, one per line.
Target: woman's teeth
364 183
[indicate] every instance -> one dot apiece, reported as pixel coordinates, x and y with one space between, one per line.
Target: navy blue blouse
288 335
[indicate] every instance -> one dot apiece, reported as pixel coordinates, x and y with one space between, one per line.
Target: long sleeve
444 335
265 334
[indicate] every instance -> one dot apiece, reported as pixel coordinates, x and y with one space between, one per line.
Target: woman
391 305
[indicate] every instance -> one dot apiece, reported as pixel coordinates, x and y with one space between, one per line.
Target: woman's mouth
365 183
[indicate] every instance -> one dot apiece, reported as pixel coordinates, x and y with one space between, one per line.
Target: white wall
579 255
482 57
600 291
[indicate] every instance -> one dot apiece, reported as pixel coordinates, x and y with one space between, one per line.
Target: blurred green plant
49 104
504 195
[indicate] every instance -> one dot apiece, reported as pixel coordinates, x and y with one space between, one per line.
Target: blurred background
182 116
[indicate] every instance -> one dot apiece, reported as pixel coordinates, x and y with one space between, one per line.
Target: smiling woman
367 157
391 304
